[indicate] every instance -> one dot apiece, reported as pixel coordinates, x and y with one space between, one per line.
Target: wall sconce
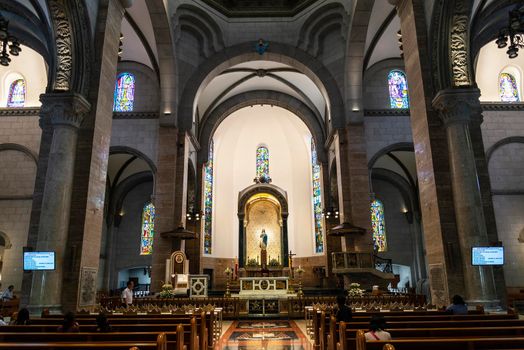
330 213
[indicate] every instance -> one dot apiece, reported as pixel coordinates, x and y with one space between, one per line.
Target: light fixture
5 37
194 215
330 213
513 33
120 46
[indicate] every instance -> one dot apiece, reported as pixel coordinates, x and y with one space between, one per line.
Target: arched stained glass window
124 93
148 229
16 96
398 89
262 162
378 225
317 200
208 202
508 88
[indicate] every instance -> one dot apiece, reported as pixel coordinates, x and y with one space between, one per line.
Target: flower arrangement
167 291
300 270
252 262
274 262
355 290
228 271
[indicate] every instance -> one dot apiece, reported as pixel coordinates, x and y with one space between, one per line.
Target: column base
489 305
37 309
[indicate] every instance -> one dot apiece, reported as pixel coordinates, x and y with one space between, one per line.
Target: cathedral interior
261 151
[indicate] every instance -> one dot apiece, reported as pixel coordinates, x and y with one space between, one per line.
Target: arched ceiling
123 165
139 43
401 163
261 75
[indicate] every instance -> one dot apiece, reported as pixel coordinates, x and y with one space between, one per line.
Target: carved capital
458 106
64 46
64 108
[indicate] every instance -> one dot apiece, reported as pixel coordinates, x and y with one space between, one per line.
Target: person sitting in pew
343 312
376 329
22 318
102 325
69 325
45 313
458 307
2 322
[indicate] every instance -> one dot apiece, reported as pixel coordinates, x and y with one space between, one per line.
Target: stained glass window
124 93
16 97
508 88
379 226
208 202
262 162
148 229
398 89
317 200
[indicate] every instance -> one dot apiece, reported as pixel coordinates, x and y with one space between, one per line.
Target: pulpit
177 271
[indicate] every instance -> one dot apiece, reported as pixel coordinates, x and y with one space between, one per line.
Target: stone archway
275 198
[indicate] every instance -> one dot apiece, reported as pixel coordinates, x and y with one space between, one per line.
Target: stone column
457 108
66 112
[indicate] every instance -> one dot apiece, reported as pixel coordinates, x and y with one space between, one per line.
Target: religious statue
263 240
263 246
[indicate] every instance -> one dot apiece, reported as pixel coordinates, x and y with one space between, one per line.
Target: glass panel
398 89
378 225
317 200
124 93
16 97
148 229
262 162
508 88
208 202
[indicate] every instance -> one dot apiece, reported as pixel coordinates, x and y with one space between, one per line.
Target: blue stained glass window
208 202
16 96
317 200
262 162
508 88
124 93
378 225
398 89
148 229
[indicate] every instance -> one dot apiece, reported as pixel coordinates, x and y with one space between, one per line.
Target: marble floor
264 335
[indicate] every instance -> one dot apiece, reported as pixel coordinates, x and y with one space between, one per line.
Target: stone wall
506 169
19 145
139 134
384 131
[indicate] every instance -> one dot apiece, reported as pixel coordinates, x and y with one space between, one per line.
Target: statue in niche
263 246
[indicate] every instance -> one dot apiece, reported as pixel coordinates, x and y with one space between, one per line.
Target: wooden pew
160 343
440 343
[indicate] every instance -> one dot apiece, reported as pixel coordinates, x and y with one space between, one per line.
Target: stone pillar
431 155
457 108
180 180
66 112
164 200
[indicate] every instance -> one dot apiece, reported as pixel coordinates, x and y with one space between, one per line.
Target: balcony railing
360 260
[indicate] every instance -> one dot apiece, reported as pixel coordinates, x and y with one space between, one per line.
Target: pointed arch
124 93
398 89
378 225
148 229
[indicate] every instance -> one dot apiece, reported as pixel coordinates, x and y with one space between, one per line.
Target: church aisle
264 334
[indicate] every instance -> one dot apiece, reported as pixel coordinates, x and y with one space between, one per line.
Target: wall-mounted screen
487 256
39 261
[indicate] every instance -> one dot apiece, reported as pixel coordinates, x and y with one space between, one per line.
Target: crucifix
291 255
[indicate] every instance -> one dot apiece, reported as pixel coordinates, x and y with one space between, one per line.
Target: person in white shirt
376 330
8 293
127 294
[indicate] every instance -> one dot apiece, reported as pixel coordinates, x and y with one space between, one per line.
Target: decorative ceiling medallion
259 8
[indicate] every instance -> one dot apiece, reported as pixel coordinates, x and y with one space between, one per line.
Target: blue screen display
487 256
39 261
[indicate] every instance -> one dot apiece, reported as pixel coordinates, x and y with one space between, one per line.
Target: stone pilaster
66 112
457 108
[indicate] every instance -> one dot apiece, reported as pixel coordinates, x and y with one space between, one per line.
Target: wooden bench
159 343
469 343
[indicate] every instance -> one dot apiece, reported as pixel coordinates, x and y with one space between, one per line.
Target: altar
264 296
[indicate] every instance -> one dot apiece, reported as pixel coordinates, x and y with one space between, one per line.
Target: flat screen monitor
487 256
34 261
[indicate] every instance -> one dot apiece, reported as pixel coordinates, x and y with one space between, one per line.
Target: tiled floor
264 335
